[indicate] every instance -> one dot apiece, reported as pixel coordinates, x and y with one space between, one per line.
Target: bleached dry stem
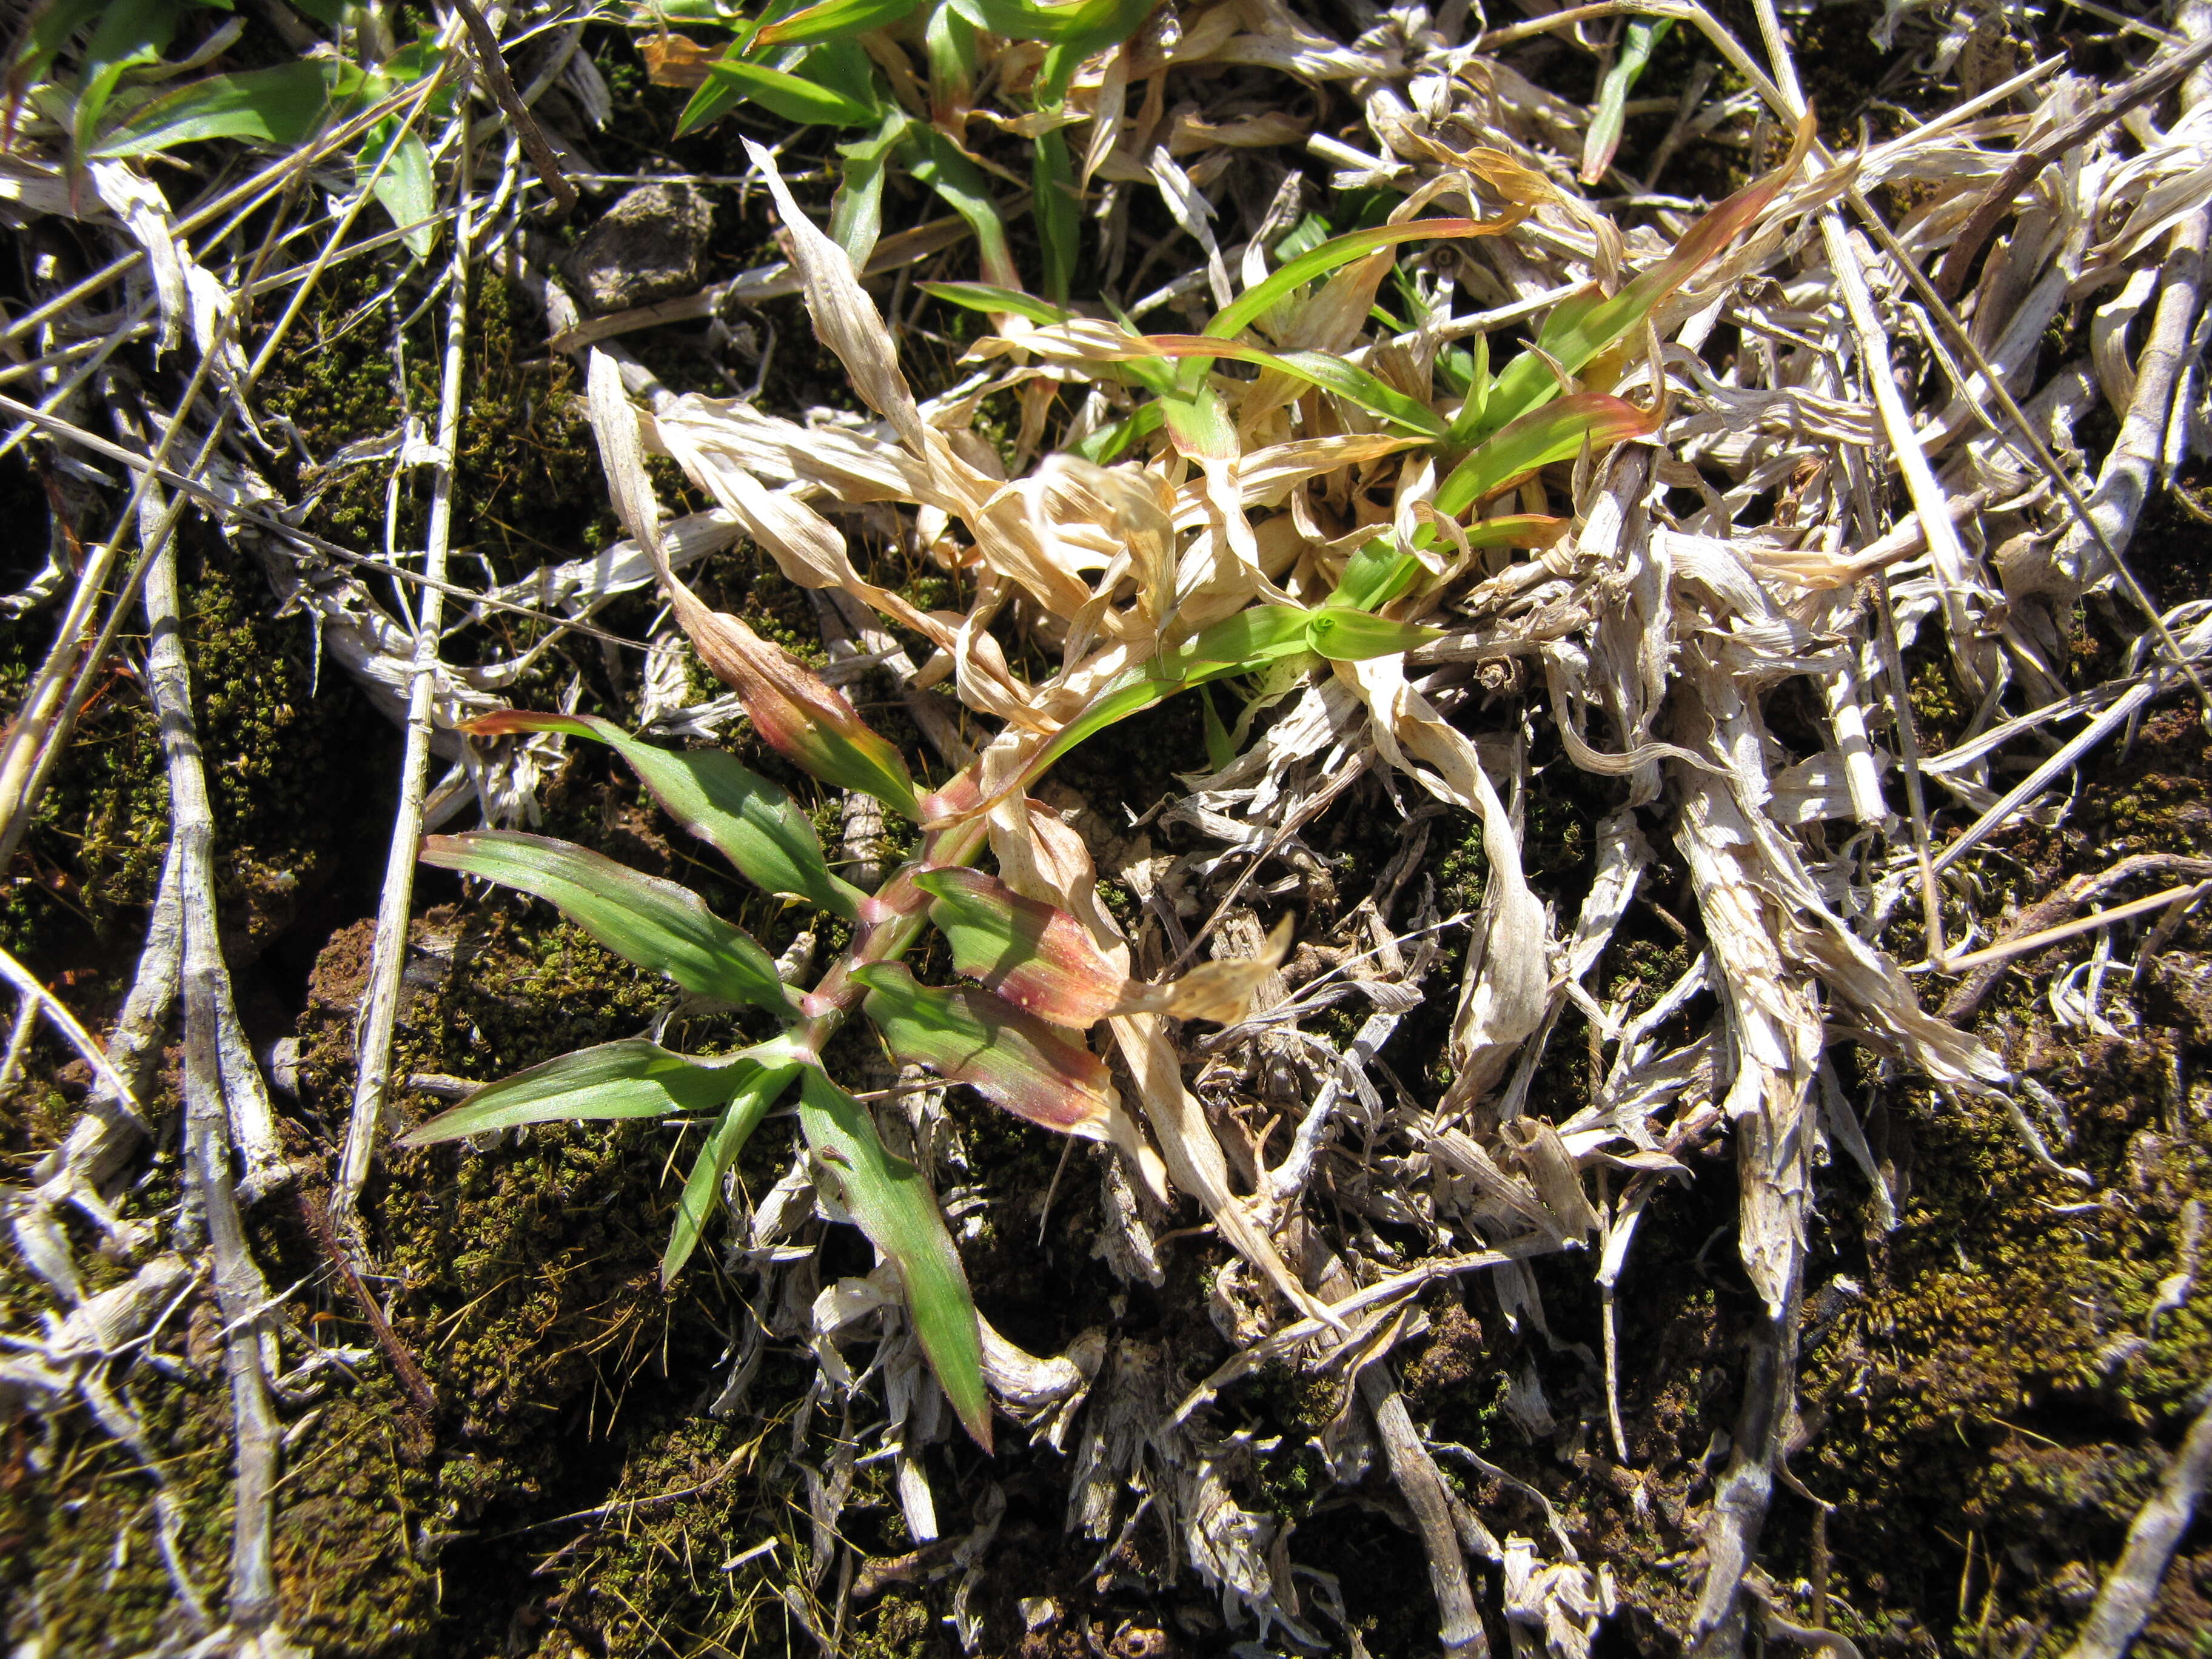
57 1012
388 957
221 1089
1421 1484
2130 1590
252 1124
1746 1486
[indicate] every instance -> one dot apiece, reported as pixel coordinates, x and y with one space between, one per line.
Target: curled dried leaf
1218 991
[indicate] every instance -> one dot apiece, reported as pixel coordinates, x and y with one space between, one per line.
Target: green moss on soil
285 780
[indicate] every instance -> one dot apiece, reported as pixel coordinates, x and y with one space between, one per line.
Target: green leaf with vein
892 1204
629 1079
1012 1058
651 922
1035 955
833 20
1332 374
1558 432
985 297
1343 634
934 159
731 82
279 106
763 1073
752 823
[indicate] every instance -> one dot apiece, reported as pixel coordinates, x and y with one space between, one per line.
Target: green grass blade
1137 691
1558 432
949 40
1516 530
130 34
1332 374
1347 636
1611 112
749 821
1374 576
1035 955
1579 329
51 28
1058 209
1474 416
1110 443
1251 638
1220 751
856 211
833 20
1087 25
405 189
713 99
1200 424
985 297
809 723
1248 641
731 82
845 68
891 1203
629 1079
937 161
278 106
651 922
763 1074
1242 644
1279 285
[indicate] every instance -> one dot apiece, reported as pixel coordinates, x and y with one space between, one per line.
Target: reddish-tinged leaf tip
1012 1059
1035 955
805 720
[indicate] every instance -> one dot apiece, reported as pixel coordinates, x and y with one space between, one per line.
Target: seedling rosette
1161 589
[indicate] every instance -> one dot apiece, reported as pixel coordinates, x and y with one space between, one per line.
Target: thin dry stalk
1422 1485
2129 1593
388 957
220 1086
57 1012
